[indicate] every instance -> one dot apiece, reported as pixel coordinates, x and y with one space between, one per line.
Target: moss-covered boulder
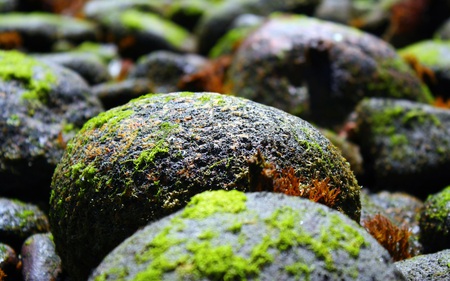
431 267
405 145
144 160
9 263
435 222
20 220
39 32
318 70
41 106
230 235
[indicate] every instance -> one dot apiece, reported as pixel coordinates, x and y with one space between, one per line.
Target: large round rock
144 160
224 235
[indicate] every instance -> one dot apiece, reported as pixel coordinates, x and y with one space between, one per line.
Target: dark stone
41 107
431 267
144 160
435 222
38 32
19 220
39 259
88 66
9 264
7 6
319 70
230 235
113 94
165 69
405 145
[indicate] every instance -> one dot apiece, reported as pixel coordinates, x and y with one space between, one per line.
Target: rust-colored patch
394 239
424 73
209 78
10 40
127 42
61 141
441 102
406 17
73 8
2 275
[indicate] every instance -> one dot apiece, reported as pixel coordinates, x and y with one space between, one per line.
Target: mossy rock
20 220
319 70
138 33
144 160
9 263
38 31
435 222
41 106
405 145
230 235
431 267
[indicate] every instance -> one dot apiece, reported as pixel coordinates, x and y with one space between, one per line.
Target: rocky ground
225 140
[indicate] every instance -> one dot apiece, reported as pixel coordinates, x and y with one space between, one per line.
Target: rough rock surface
431 267
230 235
144 160
41 106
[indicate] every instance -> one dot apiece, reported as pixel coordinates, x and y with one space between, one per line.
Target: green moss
439 205
300 270
25 214
383 121
111 117
13 120
430 52
398 139
36 77
208 203
208 234
235 227
136 20
228 42
84 176
420 116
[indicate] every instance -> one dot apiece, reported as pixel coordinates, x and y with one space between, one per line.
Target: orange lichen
394 239
209 78
264 177
441 102
66 7
2 275
424 73
10 40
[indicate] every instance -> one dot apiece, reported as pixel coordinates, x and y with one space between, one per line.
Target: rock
318 70
431 55
113 94
405 145
218 21
96 9
165 69
443 32
19 221
38 32
88 66
335 11
39 259
431 267
435 222
138 33
41 106
9 263
8 5
230 235
144 160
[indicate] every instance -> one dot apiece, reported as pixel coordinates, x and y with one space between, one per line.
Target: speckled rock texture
318 70
435 221
39 258
405 145
41 106
144 160
431 267
19 220
230 235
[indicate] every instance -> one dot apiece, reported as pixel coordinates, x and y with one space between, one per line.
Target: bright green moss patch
137 20
111 117
430 52
36 77
440 205
208 203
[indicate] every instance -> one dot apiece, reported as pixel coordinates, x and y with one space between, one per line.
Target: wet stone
165 69
89 66
39 258
9 263
38 32
139 162
113 94
41 107
431 267
19 220
230 235
435 221
319 70
405 145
